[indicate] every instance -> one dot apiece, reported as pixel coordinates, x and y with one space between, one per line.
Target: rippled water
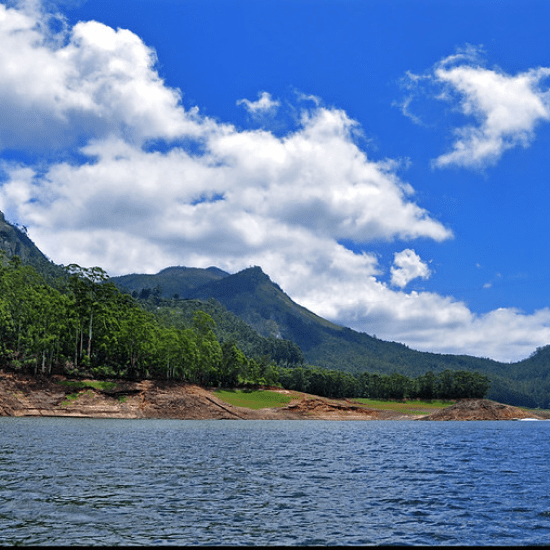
105 482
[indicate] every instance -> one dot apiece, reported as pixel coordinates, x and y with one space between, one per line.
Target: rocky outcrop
482 409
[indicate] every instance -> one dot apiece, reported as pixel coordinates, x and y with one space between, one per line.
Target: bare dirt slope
482 409
40 396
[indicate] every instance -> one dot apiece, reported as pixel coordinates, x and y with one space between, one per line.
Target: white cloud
407 265
264 104
247 191
247 198
506 108
96 81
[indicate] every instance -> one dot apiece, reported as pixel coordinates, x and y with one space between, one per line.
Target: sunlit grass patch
406 407
254 399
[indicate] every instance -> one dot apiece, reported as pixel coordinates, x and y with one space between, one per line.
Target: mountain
174 281
262 304
249 294
14 241
253 298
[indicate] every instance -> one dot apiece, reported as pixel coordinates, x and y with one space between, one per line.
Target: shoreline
26 395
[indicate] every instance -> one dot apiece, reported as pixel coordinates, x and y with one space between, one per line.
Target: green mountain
262 304
175 282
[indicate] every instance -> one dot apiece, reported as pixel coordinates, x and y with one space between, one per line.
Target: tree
136 339
85 285
426 386
208 350
232 366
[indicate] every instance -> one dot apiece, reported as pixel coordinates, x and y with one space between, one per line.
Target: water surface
150 482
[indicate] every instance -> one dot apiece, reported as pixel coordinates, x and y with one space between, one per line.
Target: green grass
254 399
83 384
260 399
407 407
542 412
69 398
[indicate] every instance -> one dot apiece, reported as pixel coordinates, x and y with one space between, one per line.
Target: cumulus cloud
92 81
248 191
407 265
284 202
505 108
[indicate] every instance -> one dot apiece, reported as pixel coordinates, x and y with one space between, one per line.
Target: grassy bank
405 407
260 399
83 384
255 399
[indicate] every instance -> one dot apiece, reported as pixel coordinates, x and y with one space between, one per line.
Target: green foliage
69 398
333 383
227 328
82 384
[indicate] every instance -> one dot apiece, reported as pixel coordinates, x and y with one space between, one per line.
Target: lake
150 482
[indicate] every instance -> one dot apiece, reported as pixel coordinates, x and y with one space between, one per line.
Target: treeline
333 383
80 324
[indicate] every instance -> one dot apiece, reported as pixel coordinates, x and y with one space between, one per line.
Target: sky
384 161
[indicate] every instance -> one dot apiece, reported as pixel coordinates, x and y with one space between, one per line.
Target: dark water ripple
108 482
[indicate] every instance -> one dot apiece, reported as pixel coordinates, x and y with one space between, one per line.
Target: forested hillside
14 241
262 304
82 325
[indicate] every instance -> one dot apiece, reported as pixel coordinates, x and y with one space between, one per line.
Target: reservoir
77 481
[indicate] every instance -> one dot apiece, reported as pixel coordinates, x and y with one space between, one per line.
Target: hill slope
253 297
15 242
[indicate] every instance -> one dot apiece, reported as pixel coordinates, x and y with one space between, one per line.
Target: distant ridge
176 281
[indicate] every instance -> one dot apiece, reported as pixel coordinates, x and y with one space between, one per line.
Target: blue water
135 482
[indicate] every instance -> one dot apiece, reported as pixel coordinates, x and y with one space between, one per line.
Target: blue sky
385 162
